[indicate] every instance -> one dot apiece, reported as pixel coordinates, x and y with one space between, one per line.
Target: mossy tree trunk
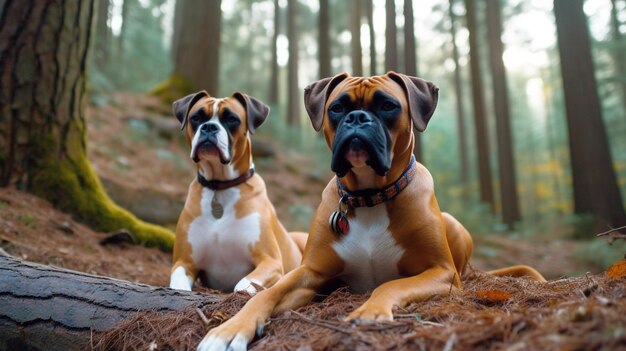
43 53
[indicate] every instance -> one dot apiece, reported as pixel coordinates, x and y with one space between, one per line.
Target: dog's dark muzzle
357 131
207 141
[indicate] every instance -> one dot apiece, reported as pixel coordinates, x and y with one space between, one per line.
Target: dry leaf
493 295
617 270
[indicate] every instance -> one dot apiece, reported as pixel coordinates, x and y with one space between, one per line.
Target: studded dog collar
373 197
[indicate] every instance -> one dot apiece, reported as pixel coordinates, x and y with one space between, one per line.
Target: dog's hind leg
459 241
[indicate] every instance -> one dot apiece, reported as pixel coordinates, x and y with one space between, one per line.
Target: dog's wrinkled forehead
362 90
211 106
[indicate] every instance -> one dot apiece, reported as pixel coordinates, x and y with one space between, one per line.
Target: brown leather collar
225 184
373 197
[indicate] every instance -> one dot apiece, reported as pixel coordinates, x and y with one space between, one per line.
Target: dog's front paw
371 312
251 286
234 335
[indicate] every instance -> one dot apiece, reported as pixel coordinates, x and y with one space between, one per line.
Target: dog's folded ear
256 110
422 96
182 106
315 95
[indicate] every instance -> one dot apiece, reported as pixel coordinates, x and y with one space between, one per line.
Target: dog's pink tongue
357 157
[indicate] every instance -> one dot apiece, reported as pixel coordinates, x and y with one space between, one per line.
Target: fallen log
50 308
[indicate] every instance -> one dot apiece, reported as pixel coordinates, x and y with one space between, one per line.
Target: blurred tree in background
133 32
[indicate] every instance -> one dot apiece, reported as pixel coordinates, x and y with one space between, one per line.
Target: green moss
172 88
72 186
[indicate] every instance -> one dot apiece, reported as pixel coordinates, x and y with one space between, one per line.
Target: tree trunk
595 185
410 50
480 115
293 117
370 24
126 6
410 62
102 34
48 308
275 73
618 53
460 106
391 35
196 64
43 53
324 40
355 44
177 27
506 159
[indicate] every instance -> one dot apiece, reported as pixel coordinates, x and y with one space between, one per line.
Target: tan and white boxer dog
378 227
228 232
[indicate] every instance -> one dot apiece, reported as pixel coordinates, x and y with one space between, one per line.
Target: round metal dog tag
216 208
338 223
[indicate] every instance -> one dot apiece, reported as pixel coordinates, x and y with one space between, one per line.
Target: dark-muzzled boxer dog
378 227
228 232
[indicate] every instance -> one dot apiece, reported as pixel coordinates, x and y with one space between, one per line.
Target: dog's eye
388 106
232 119
336 108
194 120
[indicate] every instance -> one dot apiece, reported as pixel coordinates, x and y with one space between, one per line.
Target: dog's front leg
293 290
401 292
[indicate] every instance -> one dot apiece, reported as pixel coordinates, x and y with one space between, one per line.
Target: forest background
527 139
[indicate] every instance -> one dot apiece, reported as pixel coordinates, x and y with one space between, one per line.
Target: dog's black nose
358 117
209 128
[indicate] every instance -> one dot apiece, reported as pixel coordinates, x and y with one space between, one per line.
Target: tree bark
196 61
324 40
370 24
595 184
274 97
480 114
43 54
48 308
506 159
293 105
460 106
391 37
355 44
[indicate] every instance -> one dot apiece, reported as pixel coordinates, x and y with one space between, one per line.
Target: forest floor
135 146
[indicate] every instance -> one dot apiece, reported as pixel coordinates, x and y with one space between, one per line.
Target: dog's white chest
369 251
221 247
